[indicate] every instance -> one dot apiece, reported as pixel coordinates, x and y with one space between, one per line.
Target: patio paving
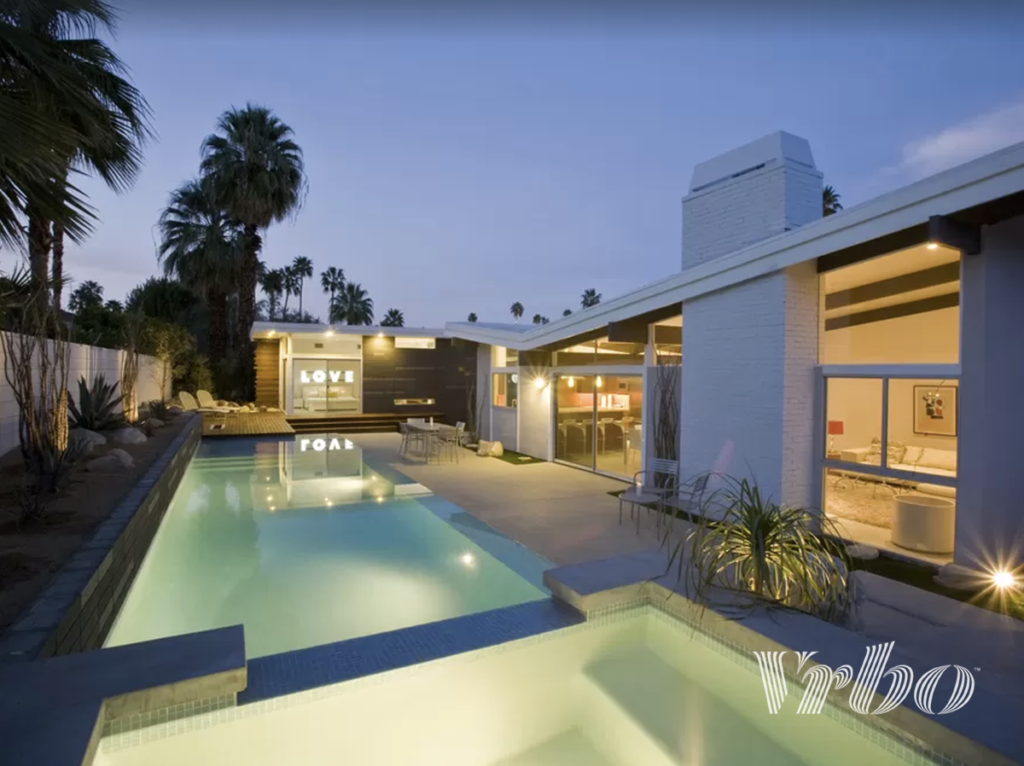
564 514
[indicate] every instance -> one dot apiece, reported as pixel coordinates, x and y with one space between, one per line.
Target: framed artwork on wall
935 410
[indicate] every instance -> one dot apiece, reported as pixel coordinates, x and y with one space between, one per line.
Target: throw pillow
912 455
897 451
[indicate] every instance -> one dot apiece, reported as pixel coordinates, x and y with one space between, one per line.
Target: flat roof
273 329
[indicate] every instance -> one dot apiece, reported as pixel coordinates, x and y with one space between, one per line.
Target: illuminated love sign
320 376
319 445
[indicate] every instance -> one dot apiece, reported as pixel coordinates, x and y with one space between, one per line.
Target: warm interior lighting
572 382
539 383
1003 579
270 334
380 334
599 381
933 246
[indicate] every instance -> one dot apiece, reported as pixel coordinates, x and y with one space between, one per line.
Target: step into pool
305 542
633 689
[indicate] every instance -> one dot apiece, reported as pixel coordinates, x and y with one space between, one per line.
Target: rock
115 460
960 577
273 409
85 435
862 552
127 436
154 423
490 449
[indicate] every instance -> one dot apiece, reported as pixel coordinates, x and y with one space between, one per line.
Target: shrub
746 544
98 406
158 409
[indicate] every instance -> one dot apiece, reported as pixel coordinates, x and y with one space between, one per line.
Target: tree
332 279
830 203
303 267
516 310
272 283
86 295
352 305
291 284
590 297
203 250
164 299
114 305
471 317
101 119
537 318
257 178
567 312
393 318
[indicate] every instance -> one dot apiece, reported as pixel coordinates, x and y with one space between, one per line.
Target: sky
458 163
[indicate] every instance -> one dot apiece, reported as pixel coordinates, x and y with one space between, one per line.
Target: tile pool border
75 611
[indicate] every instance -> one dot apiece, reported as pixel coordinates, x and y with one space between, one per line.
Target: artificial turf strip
515 458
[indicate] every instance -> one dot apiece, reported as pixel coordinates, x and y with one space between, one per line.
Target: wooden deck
216 425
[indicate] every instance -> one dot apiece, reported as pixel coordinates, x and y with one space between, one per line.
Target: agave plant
158 409
98 406
744 543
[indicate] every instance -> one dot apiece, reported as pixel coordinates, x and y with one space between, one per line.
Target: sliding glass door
598 422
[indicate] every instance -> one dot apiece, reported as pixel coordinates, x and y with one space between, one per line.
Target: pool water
304 543
636 690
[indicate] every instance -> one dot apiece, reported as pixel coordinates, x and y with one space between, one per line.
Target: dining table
431 433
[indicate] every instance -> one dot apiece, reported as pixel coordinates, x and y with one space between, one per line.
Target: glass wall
598 422
326 385
505 389
600 352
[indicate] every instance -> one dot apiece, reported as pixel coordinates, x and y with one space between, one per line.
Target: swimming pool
304 542
633 689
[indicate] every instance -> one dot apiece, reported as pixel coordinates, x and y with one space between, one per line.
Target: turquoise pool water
304 543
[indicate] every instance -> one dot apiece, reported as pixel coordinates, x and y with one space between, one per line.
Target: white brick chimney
764 188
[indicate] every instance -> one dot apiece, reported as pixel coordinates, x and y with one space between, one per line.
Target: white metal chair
649 487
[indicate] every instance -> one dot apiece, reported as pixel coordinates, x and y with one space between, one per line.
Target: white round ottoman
925 523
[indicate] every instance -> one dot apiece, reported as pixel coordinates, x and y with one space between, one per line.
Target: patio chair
206 400
689 497
189 404
645 489
452 440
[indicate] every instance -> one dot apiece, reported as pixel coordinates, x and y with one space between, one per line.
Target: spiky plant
98 406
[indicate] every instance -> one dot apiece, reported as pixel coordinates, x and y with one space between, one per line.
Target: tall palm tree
332 279
393 318
590 297
352 305
291 285
272 283
516 310
106 116
830 203
537 318
86 295
567 312
471 317
303 267
203 250
258 178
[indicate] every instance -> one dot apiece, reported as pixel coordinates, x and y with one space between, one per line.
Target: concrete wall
88 361
504 427
748 383
535 415
989 519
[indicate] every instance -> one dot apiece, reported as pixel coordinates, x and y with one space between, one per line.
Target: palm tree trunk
218 305
249 278
58 264
300 299
40 240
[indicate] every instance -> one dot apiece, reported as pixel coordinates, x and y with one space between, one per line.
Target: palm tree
114 305
567 312
471 317
393 318
258 178
352 305
332 279
203 249
272 283
590 297
516 310
86 295
98 119
291 286
537 318
830 203
303 267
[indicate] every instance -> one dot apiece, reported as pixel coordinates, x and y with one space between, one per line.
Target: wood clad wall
268 373
443 373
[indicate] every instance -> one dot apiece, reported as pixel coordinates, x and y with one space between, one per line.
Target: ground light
329 332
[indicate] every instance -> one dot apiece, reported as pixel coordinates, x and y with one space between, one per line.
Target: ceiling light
572 382
380 333
599 381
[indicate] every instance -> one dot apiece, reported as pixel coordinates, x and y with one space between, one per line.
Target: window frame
495 371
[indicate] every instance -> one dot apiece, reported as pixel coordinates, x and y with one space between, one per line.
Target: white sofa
930 460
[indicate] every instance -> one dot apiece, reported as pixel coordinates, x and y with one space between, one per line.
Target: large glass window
600 352
504 357
326 385
598 422
505 389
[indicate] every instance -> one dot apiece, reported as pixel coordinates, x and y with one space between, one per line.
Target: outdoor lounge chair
207 401
647 490
189 404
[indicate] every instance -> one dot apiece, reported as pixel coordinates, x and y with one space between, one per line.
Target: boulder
273 409
127 436
154 423
115 460
490 449
958 577
85 435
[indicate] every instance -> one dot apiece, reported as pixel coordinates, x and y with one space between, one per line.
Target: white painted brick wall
748 383
733 214
535 415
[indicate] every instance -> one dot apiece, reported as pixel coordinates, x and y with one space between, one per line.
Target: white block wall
748 383
990 512
535 414
88 361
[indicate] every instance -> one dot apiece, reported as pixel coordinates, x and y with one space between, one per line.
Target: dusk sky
460 168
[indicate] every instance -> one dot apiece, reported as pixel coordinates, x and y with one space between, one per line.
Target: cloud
961 143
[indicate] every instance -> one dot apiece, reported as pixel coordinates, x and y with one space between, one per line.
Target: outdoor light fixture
933 246
539 382
599 381
1003 579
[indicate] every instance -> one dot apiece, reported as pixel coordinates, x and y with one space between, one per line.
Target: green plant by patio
98 405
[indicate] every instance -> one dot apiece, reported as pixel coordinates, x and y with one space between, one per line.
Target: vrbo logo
319 445
819 679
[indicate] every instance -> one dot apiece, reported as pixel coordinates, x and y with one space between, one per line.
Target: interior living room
889 350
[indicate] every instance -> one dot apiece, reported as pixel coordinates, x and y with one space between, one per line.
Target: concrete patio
564 514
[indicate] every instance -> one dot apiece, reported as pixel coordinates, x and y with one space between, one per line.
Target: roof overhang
982 192
262 330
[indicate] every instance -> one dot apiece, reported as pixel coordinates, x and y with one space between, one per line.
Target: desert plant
48 467
98 407
743 543
158 409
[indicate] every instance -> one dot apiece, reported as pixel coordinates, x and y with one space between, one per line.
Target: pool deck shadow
564 514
